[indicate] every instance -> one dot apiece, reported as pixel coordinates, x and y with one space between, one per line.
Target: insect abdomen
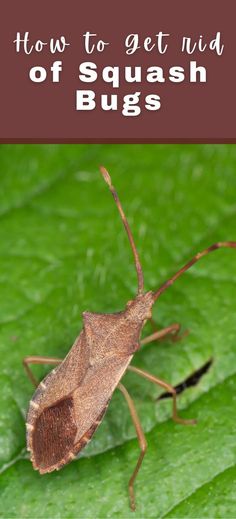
53 435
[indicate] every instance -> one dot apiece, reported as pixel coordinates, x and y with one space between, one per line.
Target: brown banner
118 72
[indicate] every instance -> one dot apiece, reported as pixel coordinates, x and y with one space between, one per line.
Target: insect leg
172 330
141 439
37 360
168 388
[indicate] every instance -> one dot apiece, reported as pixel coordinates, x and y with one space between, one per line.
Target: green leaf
63 251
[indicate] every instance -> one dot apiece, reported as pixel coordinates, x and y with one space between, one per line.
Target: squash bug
70 403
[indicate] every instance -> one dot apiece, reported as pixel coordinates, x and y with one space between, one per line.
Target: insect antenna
169 282
138 266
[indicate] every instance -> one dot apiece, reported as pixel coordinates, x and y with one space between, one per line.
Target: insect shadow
190 381
71 401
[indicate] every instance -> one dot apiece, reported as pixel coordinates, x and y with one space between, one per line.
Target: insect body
69 404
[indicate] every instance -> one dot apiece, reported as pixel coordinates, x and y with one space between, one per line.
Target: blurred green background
63 251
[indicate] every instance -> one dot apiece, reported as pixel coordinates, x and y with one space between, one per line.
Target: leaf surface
63 251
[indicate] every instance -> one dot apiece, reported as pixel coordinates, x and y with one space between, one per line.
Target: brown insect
69 404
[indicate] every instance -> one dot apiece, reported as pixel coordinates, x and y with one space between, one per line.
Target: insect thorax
118 333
